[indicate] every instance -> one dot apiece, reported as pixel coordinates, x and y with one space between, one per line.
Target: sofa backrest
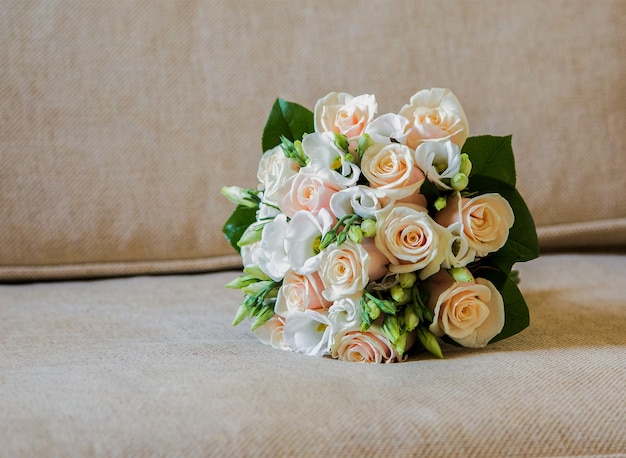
120 121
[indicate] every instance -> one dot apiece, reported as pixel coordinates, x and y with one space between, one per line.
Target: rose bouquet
371 235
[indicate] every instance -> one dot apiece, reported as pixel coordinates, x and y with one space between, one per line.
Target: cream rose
364 347
470 313
486 220
342 113
435 114
306 191
411 240
343 270
392 169
300 292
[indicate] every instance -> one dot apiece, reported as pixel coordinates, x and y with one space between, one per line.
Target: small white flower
360 200
328 161
307 332
344 314
272 256
303 238
274 170
388 128
438 160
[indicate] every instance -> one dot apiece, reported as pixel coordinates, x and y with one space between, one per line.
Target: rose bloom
364 347
306 191
274 169
392 169
300 292
342 113
411 240
271 333
486 220
343 270
470 313
435 114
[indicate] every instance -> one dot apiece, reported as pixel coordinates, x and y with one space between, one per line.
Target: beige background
120 121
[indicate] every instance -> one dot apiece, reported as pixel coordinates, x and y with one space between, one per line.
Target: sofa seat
150 366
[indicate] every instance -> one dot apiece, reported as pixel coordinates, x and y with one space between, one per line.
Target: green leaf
286 119
238 222
492 157
522 244
516 317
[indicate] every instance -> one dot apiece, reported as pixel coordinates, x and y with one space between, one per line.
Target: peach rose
392 169
411 240
306 191
342 113
364 347
271 333
300 292
435 114
470 313
486 220
343 270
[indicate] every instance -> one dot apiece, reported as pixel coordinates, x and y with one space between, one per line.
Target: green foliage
238 222
289 120
491 157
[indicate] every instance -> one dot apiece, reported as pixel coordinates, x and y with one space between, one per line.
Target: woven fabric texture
150 366
120 121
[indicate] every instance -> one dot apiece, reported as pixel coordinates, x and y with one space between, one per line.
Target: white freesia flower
345 114
272 255
392 169
438 160
343 269
388 128
360 200
411 240
458 252
303 238
328 161
435 114
470 313
307 332
274 170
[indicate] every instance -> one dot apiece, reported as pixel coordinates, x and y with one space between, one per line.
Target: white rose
303 239
486 220
306 191
438 160
360 200
470 313
435 114
328 161
388 128
365 347
274 170
307 332
345 114
392 169
411 240
343 270
271 333
300 292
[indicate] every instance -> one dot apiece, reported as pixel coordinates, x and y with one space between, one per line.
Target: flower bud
252 234
255 288
407 279
355 234
341 141
440 203
459 182
397 293
368 226
241 196
466 165
429 341
461 275
391 329
401 343
411 320
241 282
242 312
372 310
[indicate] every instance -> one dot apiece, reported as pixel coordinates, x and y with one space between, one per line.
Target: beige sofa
119 123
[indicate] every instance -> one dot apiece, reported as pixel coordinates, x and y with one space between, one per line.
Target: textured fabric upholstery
120 121
149 366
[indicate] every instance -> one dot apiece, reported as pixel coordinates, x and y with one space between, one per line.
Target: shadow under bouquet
369 236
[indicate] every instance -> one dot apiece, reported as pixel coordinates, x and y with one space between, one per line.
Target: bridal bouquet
370 235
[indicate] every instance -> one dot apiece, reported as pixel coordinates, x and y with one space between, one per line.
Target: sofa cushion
149 366
120 121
